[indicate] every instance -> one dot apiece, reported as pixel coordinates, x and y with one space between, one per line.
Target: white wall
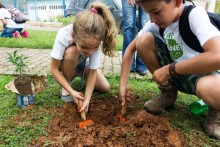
45 10
209 5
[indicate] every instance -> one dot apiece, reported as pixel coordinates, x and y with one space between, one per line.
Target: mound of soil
139 129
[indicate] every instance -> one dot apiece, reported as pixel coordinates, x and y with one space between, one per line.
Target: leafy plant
18 61
65 21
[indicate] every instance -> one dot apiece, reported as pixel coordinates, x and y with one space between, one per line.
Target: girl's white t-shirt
5 14
64 39
178 49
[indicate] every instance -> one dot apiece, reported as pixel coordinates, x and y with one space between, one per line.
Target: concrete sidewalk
39 61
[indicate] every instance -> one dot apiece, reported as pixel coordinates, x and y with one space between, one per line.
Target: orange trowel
85 123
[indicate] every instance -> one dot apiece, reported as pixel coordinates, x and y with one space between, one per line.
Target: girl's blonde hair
100 25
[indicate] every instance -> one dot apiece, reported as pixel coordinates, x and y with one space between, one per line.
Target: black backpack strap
161 31
214 19
187 35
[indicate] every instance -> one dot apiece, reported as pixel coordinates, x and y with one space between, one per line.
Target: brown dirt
23 85
139 129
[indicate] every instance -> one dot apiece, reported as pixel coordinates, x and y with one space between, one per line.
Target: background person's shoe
165 98
16 34
142 73
212 123
25 34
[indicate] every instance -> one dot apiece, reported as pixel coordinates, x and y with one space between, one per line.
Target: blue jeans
129 31
8 32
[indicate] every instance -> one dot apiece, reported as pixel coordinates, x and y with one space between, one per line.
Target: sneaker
142 73
165 98
16 34
212 123
25 34
66 98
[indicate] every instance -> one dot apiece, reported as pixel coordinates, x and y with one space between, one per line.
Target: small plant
18 61
22 82
65 21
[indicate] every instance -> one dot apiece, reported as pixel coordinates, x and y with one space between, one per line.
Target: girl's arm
125 69
4 22
90 84
55 64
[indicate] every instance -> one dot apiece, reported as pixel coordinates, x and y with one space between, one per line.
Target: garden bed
139 129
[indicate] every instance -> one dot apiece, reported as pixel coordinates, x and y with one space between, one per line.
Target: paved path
39 61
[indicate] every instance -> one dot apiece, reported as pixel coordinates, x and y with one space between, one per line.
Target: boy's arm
125 69
90 84
205 62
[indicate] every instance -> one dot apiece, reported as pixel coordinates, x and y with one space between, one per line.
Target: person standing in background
129 31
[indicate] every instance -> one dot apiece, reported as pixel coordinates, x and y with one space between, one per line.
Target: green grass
37 40
34 122
40 40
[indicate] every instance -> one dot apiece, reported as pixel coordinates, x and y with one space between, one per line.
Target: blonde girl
77 50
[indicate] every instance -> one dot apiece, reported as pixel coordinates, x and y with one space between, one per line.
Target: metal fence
49 10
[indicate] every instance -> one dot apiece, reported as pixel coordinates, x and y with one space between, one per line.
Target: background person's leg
143 18
8 32
129 27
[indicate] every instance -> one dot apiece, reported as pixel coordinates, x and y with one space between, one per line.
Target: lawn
27 126
39 40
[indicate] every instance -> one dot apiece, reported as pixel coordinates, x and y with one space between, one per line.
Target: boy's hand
131 2
122 94
125 95
161 76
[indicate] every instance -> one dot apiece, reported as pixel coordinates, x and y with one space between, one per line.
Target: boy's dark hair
167 1
2 6
137 1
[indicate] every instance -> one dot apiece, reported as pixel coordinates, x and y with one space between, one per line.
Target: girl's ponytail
109 40
97 22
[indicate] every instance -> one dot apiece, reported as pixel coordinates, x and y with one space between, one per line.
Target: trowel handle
80 104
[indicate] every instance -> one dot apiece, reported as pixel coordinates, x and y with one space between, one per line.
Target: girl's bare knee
70 53
105 88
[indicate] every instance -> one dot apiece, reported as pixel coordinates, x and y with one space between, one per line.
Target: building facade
46 10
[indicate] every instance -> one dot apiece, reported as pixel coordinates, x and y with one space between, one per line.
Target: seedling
19 62
22 82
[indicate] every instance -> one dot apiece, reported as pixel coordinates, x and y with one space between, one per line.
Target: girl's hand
76 95
85 106
161 76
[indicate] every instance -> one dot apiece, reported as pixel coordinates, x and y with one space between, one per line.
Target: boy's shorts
184 83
